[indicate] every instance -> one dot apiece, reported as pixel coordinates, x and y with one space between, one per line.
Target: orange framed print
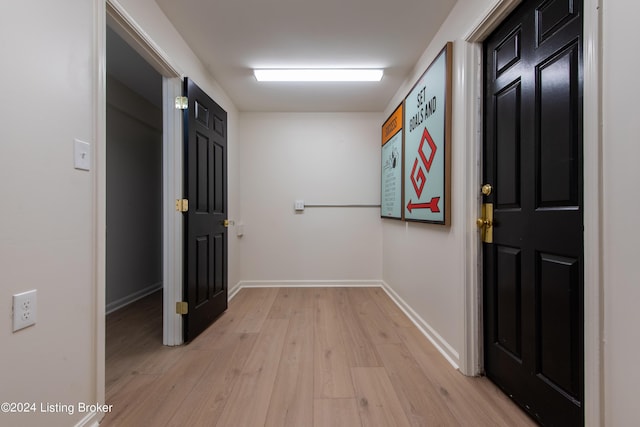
391 166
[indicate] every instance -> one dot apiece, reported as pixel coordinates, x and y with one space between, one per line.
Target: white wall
620 207
47 216
134 195
423 263
323 158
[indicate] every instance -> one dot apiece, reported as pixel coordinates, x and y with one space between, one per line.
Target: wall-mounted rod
341 206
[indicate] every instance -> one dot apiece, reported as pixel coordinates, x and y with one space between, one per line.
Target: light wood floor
293 357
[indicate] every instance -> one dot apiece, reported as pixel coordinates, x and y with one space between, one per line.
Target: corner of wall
447 351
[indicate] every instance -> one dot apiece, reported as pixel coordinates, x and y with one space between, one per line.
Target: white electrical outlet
25 309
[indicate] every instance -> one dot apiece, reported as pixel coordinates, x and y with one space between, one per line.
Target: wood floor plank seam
291 402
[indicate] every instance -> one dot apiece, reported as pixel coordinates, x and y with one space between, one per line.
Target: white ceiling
232 37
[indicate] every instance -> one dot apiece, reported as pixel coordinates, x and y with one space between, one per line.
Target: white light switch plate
81 155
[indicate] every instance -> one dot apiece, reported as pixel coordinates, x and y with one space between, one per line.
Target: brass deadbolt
481 223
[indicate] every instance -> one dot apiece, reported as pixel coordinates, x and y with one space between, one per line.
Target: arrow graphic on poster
432 205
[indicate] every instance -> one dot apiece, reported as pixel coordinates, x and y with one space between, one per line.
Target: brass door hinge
182 205
182 103
182 307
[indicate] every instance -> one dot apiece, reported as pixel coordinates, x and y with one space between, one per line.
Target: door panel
202 168
508 146
507 52
205 186
203 281
558 139
508 296
558 289
533 270
552 15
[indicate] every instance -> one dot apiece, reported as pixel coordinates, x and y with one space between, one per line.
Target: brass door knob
486 189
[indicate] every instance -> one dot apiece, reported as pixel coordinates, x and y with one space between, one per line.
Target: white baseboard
92 419
231 292
122 302
440 343
302 284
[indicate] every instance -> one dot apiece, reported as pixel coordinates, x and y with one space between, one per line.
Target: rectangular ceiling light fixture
318 75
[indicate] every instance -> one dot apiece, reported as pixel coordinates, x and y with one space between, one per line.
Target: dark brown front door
205 256
533 270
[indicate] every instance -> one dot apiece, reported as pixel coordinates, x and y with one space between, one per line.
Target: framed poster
427 144
391 166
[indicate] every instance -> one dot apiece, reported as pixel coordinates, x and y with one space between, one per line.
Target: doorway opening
134 194
134 176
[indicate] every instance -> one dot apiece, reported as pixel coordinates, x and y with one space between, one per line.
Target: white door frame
172 221
468 56
126 27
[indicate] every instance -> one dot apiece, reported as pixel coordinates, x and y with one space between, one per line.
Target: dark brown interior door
205 249
533 270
